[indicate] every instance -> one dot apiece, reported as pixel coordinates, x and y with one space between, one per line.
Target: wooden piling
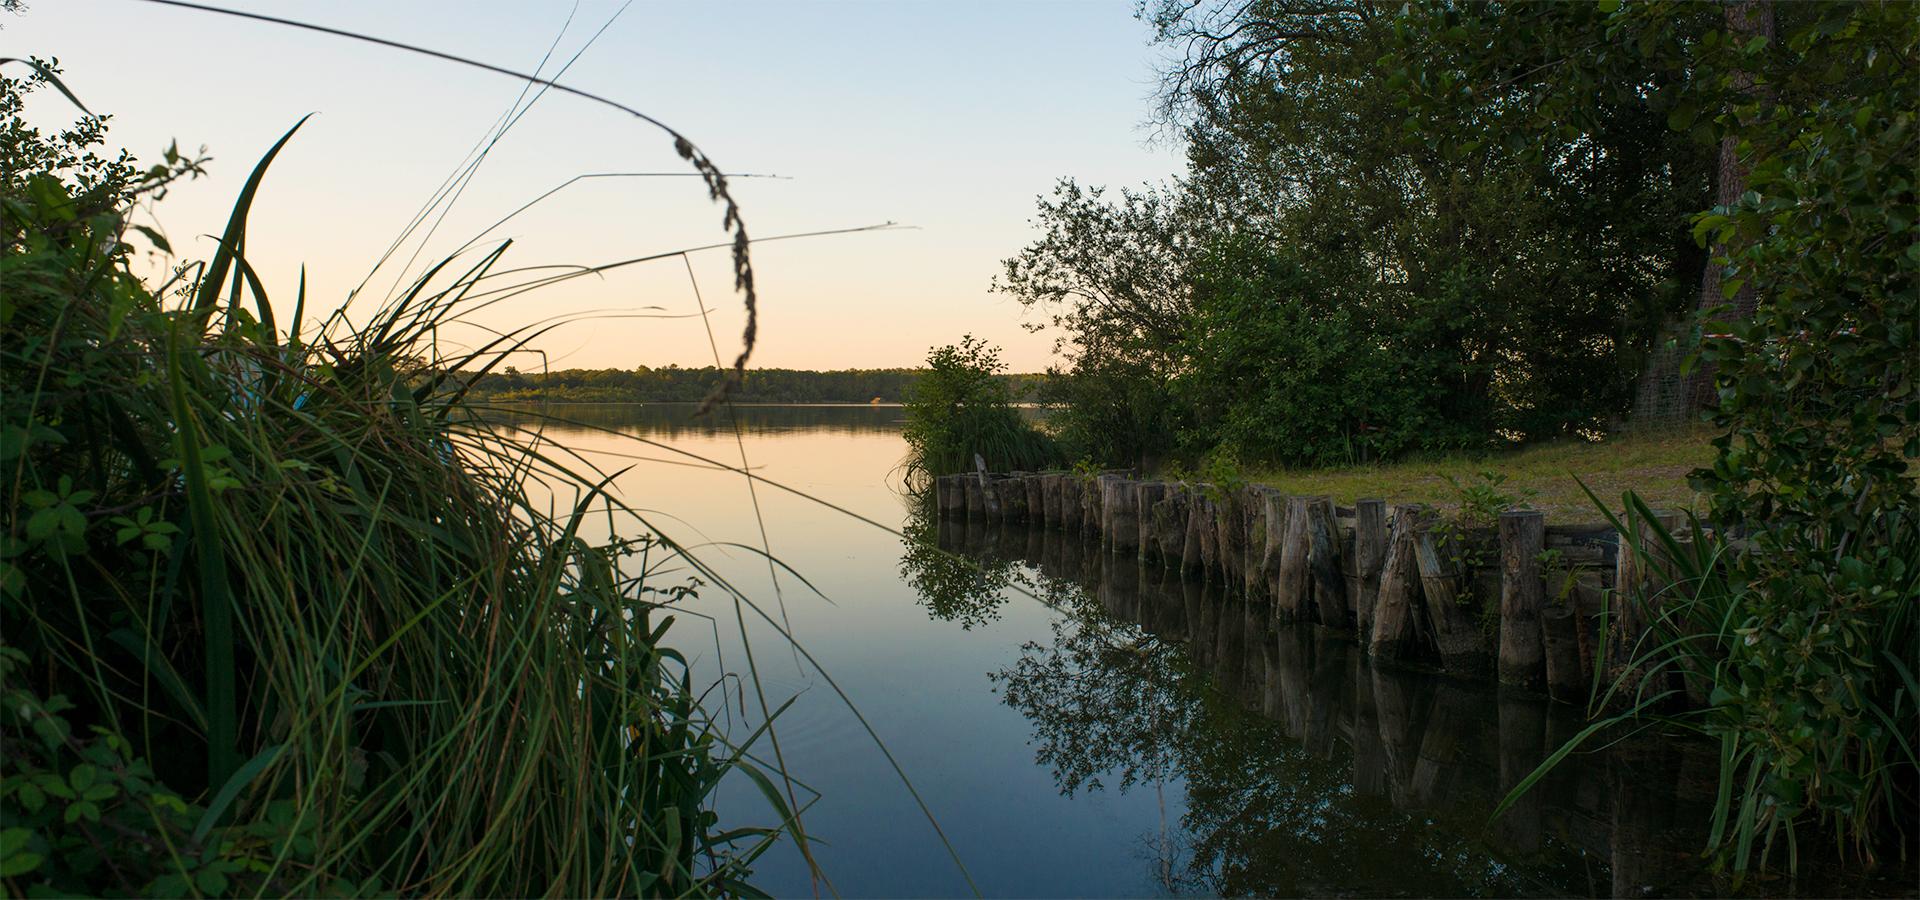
1637 577
1292 587
1203 540
1073 512
1395 629
1463 649
1012 490
1036 499
974 488
1119 514
1050 500
1560 643
1370 552
1170 526
1523 535
1323 567
1091 510
1146 495
1274 523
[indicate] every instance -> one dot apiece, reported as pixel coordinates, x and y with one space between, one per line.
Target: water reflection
1305 769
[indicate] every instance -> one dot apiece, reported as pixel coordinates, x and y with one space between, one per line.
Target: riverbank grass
1653 465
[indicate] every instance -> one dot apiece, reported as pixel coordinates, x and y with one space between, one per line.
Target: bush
1287 368
960 408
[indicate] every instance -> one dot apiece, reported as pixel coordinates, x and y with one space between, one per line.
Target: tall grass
282 614
1810 693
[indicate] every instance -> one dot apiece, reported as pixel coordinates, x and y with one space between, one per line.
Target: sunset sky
946 117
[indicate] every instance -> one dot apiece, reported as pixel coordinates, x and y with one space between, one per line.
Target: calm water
1083 727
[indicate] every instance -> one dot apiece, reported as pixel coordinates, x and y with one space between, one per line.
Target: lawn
1654 465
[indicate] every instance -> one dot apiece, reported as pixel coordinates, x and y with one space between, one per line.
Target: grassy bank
1653 465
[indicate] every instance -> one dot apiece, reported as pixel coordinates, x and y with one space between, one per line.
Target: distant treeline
673 384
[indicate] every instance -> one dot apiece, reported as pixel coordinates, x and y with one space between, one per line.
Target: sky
946 118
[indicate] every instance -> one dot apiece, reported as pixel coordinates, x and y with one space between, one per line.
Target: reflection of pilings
1394 710
1119 588
1443 746
1229 646
1522 747
1296 648
1326 691
1369 757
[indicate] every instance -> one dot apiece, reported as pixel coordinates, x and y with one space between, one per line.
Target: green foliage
297 625
1787 616
1286 367
961 408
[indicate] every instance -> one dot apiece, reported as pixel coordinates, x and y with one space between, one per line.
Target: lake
1081 726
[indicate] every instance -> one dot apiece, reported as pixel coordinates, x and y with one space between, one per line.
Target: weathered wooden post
1170 526
1090 505
1394 626
1119 525
1370 552
1560 641
1203 540
1273 517
1036 499
1228 536
1523 534
1639 575
1462 648
1050 499
1292 587
1146 494
975 489
1013 496
1073 513
1323 567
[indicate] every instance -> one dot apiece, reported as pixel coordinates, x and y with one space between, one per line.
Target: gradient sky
949 117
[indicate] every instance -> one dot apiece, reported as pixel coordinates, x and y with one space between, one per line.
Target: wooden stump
1323 567
1147 494
975 489
1395 627
1050 499
1457 633
1120 514
1370 553
1638 580
1090 500
1036 507
1203 540
1292 597
1012 489
1560 641
1073 517
1170 526
1273 518
1523 535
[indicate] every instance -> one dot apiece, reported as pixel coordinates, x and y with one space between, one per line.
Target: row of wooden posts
1394 578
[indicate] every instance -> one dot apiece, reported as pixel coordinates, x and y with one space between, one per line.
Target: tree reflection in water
1305 770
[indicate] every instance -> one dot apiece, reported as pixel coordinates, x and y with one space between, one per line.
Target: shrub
960 408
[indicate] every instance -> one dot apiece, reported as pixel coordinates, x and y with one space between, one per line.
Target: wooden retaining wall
1528 601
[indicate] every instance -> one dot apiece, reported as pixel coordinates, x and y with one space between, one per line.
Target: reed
283 610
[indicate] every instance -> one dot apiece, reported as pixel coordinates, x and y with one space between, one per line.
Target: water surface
1082 726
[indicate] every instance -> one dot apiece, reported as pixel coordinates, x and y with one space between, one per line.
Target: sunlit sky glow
947 117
